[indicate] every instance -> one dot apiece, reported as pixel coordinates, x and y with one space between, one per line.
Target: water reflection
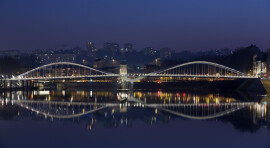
114 108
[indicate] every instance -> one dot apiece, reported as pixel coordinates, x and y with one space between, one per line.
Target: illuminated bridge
67 110
67 70
62 70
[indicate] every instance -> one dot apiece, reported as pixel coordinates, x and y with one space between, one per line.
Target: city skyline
179 25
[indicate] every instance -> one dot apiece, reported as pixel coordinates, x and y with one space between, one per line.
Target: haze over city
180 25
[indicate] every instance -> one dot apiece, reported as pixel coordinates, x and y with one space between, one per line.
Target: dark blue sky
178 24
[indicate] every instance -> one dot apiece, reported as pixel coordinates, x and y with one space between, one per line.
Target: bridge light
156 111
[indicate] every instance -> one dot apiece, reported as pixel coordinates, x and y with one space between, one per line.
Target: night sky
178 24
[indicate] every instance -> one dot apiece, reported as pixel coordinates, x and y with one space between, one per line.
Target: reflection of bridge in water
65 110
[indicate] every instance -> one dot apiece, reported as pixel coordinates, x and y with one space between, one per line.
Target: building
149 51
99 63
128 47
259 66
14 54
105 63
51 56
165 53
91 49
156 62
113 47
268 62
123 69
148 68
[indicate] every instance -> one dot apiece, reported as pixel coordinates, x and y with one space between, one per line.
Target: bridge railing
66 70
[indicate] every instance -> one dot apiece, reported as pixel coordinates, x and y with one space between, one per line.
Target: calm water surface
110 118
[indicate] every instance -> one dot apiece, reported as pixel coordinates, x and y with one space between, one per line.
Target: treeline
241 59
10 66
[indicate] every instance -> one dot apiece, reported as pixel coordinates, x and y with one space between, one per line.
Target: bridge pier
27 85
5 83
32 84
27 93
131 86
5 95
10 94
10 85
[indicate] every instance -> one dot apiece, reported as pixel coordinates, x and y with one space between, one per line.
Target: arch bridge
67 70
62 70
201 69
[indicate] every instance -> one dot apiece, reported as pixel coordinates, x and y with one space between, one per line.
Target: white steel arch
200 69
36 73
60 63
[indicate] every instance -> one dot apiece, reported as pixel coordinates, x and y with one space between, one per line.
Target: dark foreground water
111 118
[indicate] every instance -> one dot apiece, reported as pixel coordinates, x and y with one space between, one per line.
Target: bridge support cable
62 70
201 69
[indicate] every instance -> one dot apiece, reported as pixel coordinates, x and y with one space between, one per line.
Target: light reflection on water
79 103
117 109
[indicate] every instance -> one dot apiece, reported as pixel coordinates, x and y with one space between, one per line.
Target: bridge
67 70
